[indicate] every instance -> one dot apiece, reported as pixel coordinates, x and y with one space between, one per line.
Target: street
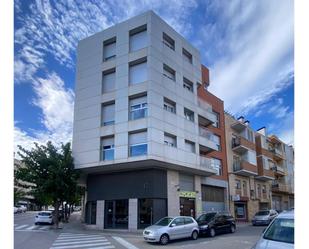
73 235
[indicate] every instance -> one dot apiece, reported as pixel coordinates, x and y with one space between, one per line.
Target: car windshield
281 230
164 221
44 214
262 213
206 217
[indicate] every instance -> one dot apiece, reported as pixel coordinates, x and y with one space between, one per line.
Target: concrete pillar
100 215
173 207
198 199
133 214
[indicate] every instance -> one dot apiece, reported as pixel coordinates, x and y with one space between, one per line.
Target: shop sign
236 197
187 194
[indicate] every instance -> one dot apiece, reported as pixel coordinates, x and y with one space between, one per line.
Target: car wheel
194 235
164 239
35 223
212 232
232 229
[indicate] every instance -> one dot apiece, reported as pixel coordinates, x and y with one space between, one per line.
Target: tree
52 171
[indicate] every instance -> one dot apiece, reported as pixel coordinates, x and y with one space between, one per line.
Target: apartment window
108 113
138 38
189 146
187 56
138 107
168 41
251 157
138 71
107 148
237 184
244 188
109 49
187 84
259 190
170 140
189 115
169 72
169 105
264 189
138 143
217 122
108 80
217 165
266 163
217 140
250 136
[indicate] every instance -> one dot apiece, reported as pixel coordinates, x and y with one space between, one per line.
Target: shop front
241 211
187 203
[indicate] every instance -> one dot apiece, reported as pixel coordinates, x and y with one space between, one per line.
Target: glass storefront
91 212
187 207
116 213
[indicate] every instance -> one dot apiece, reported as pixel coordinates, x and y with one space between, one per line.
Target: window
212 194
168 41
138 143
189 115
138 38
169 72
244 188
259 190
108 114
217 122
170 140
266 163
179 222
217 165
138 107
187 56
107 148
264 189
250 157
108 80
138 71
189 146
237 184
109 49
187 84
169 105
188 220
217 139
250 136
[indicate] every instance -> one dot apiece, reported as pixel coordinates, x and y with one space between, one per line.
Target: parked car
21 208
44 217
15 210
264 217
279 234
170 228
77 208
212 223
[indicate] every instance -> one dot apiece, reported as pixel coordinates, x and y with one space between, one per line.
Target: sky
247 45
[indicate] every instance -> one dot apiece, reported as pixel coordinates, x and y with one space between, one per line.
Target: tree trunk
56 214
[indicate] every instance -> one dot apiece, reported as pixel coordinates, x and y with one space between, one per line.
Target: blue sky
247 45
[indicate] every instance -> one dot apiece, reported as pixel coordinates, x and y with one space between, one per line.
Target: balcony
265 175
278 170
244 168
241 145
206 115
280 188
277 154
207 140
238 126
206 164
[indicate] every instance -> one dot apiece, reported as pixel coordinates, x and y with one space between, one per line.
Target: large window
138 38
138 143
108 80
187 56
109 49
169 72
107 148
217 140
189 115
250 157
189 146
168 41
138 71
169 105
250 135
217 165
217 122
187 84
138 107
212 194
170 140
108 113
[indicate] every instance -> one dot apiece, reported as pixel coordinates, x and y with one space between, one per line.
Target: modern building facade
137 135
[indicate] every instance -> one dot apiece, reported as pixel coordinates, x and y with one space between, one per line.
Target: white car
44 217
279 234
15 210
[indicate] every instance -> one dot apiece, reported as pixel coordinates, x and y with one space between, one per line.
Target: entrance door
187 207
116 214
240 211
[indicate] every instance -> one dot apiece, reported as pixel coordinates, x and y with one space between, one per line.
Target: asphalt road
74 236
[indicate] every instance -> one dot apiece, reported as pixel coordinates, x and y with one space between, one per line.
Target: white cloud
284 128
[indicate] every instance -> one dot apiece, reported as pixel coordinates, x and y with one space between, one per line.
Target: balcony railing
280 187
206 163
242 167
203 104
204 132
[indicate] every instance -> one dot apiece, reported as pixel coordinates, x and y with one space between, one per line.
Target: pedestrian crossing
81 241
28 227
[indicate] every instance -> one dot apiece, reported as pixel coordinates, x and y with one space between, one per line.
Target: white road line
103 242
79 239
124 243
31 227
20 227
73 246
78 234
44 228
102 247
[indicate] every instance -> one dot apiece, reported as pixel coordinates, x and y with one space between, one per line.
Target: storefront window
91 211
150 211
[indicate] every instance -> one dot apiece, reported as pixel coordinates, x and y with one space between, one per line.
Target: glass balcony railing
108 154
138 149
204 132
137 114
206 163
203 104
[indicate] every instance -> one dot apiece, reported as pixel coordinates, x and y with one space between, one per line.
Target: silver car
279 234
264 217
170 228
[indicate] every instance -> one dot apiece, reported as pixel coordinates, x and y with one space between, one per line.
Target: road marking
76 246
69 242
20 227
124 243
31 227
79 239
44 228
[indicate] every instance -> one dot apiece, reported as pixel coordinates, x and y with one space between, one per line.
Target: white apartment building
136 133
